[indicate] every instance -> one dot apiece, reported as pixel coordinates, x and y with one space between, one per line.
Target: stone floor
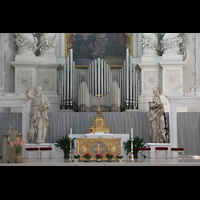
186 161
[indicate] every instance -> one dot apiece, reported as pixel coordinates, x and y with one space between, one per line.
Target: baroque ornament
47 41
180 40
26 41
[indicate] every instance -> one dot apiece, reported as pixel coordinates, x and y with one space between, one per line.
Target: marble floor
186 161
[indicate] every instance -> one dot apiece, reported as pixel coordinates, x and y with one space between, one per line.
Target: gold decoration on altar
99 121
98 145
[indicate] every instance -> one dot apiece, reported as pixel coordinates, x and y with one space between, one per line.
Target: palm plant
136 144
64 144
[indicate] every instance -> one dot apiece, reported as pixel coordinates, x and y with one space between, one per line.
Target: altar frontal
98 145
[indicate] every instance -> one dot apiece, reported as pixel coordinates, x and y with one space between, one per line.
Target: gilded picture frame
124 40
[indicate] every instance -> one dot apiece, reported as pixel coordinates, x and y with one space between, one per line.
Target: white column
173 124
25 123
71 66
139 44
135 45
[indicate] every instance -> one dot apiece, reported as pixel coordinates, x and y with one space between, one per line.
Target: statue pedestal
161 154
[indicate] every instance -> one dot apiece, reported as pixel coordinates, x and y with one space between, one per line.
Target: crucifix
98 95
98 148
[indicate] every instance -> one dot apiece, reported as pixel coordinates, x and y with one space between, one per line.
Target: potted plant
119 157
99 157
18 148
87 157
64 144
109 156
138 142
77 156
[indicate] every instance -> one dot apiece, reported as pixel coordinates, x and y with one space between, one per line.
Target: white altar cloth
96 135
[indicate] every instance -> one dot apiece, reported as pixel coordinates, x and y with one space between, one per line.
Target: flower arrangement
120 156
87 156
77 155
98 156
18 145
108 155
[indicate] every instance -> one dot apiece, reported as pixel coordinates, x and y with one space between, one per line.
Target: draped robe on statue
38 114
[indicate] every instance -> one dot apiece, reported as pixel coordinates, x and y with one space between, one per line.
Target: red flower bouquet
87 156
99 156
109 155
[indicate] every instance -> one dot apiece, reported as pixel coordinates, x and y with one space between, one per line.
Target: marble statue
38 113
157 123
31 134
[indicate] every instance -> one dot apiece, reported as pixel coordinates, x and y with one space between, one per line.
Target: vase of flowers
77 156
18 148
109 156
119 157
99 157
87 157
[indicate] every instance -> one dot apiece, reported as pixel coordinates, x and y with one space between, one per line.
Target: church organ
118 92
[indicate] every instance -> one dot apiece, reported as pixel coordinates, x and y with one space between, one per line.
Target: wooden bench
161 149
177 150
140 149
46 149
31 149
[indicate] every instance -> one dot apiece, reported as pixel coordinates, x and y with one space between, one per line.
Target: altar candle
131 133
71 133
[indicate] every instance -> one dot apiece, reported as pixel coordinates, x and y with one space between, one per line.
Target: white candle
71 133
131 133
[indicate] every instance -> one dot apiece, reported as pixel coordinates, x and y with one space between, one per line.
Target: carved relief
24 78
46 80
172 78
150 79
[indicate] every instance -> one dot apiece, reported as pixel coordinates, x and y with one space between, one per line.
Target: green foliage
64 143
136 144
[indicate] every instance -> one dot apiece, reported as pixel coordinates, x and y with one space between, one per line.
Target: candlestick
71 133
70 151
131 133
132 156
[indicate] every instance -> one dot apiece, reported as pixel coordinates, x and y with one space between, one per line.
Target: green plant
64 144
136 144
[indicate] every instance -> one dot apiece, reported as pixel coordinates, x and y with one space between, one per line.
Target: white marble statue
38 113
157 122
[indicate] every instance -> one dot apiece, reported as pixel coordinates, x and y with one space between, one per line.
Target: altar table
98 145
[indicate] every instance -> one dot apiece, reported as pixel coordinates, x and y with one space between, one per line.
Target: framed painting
90 46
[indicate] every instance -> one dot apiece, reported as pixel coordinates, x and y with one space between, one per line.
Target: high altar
99 140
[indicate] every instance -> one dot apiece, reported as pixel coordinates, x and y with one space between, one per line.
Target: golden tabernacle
98 145
99 122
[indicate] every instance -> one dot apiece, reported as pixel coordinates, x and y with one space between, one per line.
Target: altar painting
89 46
